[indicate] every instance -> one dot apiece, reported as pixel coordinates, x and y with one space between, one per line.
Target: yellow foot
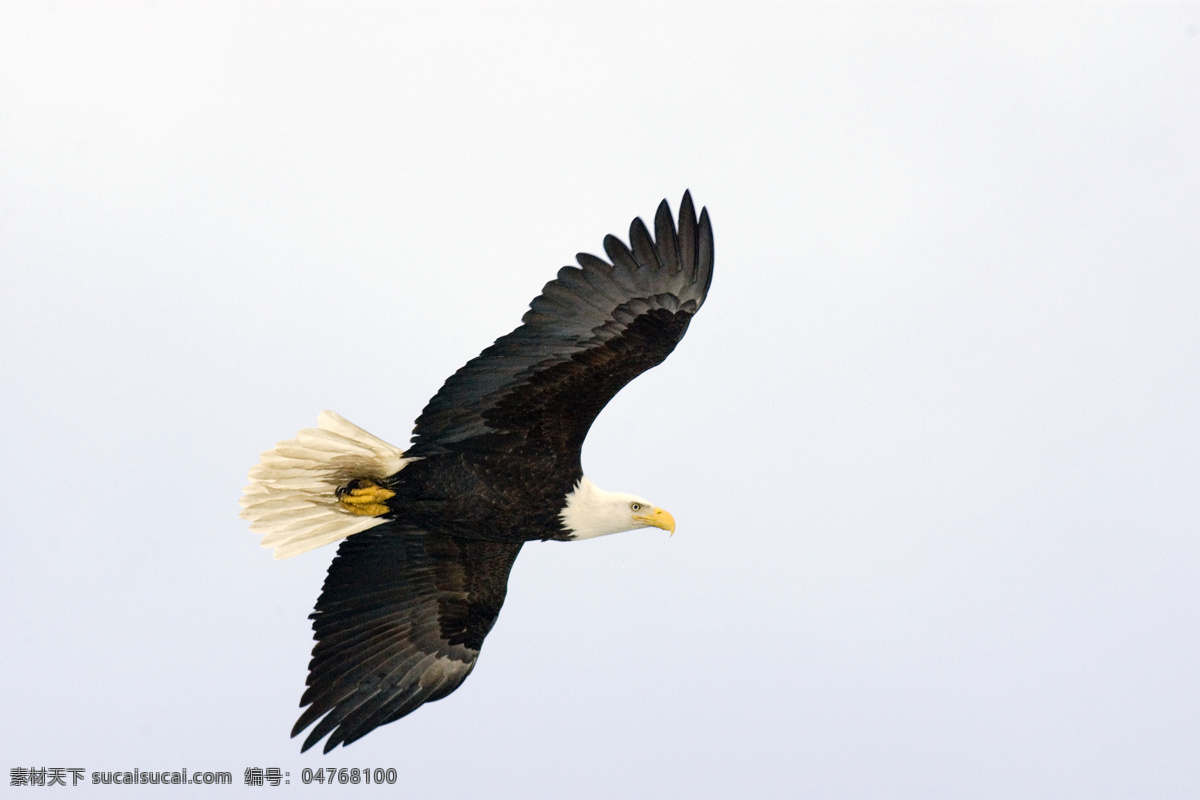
364 497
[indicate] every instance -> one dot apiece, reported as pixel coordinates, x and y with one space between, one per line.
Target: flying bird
431 533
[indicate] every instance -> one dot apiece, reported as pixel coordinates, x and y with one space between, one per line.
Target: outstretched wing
591 331
399 623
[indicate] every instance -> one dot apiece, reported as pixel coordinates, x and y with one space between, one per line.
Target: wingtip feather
705 254
664 237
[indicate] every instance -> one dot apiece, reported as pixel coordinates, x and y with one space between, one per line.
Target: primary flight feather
431 533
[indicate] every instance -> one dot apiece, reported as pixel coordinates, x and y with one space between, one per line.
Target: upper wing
591 331
399 623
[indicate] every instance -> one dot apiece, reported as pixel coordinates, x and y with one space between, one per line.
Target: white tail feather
291 499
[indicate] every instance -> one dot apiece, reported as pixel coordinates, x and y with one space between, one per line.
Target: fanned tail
294 496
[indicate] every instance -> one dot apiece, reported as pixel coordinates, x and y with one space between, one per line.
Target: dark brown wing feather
591 331
399 623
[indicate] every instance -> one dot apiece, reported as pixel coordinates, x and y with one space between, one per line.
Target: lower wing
399 623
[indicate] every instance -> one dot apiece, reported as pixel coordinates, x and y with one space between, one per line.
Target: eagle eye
635 506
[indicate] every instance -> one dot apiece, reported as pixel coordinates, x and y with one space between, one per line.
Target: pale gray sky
932 444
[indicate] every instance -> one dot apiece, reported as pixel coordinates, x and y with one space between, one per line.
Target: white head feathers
590 511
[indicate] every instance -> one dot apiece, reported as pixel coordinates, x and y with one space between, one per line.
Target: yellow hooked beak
659 518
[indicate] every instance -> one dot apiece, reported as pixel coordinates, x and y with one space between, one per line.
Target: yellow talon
364 498
373 510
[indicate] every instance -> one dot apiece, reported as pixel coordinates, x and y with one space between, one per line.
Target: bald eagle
431 533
